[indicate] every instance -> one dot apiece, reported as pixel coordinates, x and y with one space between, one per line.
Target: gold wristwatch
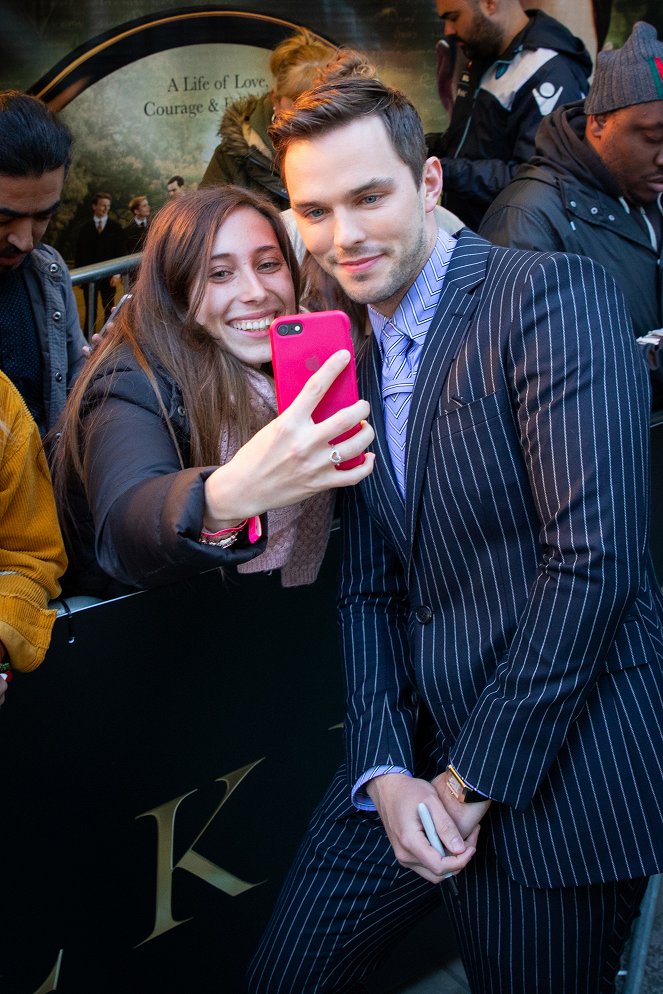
460 790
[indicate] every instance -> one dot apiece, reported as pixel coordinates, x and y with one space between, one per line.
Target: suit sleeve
581 409
381 702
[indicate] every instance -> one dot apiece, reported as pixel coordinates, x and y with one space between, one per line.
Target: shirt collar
415 312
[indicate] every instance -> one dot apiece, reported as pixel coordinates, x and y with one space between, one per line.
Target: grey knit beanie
632 74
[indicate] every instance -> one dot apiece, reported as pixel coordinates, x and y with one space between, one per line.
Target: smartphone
116 310
428 826
301 343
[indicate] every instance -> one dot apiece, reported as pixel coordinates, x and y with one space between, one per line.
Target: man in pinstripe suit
501 623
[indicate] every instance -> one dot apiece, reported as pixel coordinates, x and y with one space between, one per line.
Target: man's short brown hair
346 90
136 201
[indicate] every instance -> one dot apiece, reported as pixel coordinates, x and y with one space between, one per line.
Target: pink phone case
310 340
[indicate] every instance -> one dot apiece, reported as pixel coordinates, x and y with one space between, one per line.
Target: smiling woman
170 454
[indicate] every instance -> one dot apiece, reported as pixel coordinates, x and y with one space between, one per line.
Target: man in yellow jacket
32 556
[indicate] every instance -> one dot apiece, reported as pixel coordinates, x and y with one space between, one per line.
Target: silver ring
335 457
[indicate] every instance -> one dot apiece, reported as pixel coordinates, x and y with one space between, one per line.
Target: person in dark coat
244 155
595 183
42 348
135 232
99 239
521 66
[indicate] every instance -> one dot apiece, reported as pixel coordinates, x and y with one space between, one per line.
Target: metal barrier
87 277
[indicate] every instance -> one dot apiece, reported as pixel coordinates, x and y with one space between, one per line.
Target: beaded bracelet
224 538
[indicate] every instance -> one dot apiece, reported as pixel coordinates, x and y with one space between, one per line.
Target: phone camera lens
290 328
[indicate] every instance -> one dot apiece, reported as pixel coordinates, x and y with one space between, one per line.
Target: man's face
174 190
143 209
479 36
630 143
360 212
27 204
101 207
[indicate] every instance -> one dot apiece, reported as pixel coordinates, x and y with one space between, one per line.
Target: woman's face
248 284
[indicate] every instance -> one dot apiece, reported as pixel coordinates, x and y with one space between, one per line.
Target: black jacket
498 109
135 235
245 154
137 522
566 200
93 246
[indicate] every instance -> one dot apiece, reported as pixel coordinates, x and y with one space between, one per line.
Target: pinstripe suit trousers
346 901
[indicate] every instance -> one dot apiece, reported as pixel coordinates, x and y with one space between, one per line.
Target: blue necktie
397 382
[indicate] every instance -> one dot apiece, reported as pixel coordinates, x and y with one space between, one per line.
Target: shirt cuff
359 797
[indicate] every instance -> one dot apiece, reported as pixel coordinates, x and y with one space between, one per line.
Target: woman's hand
290 458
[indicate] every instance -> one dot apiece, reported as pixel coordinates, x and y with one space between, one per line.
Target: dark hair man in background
500 619
521 66
595 183
99 239
175 187
41 343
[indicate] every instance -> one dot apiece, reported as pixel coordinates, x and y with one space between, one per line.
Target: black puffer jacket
498 109
137 523
565 200
244 156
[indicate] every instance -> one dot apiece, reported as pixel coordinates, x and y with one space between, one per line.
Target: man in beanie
594 185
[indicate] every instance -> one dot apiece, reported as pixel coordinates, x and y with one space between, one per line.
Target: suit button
424 614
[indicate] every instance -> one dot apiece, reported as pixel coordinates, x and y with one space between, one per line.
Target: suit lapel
458 301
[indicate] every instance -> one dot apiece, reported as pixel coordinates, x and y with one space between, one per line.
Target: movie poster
143 87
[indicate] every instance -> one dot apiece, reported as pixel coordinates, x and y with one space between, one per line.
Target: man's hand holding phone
397 798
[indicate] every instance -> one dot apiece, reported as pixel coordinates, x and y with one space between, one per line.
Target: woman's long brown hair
158 324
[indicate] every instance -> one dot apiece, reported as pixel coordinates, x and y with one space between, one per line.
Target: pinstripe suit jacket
505 617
